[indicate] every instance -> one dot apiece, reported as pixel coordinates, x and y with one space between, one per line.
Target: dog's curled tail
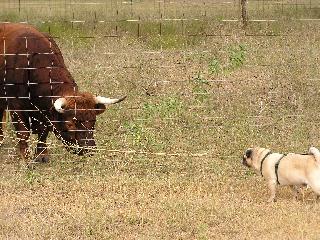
316 153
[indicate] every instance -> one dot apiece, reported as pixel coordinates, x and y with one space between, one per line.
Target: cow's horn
107 101
59 104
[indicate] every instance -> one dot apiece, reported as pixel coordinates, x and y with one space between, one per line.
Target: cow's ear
100 108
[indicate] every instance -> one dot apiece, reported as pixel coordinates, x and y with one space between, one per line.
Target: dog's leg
296 191
317 196
315 186
317 199
272 187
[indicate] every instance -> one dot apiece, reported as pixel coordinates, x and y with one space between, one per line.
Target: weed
136 131
200 80
214 66
32 176
237 56
142 137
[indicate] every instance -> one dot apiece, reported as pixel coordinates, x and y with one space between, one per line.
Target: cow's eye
69 124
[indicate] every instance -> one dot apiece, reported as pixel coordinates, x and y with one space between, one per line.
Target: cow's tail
316 153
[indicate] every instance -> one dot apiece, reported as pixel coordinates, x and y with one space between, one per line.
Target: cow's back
31 67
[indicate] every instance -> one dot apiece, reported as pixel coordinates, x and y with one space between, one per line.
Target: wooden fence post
244 13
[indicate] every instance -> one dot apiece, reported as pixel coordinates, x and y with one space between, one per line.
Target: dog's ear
248 152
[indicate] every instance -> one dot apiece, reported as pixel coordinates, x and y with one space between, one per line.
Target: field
201 89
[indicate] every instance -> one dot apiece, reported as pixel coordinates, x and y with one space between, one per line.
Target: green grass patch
166 108
232 59
70 33
9 16
144 132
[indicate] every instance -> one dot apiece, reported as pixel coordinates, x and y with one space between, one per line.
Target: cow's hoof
42 159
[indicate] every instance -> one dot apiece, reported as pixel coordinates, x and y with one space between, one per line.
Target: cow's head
75 118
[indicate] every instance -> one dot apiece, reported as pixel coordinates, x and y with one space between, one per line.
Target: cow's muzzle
87 148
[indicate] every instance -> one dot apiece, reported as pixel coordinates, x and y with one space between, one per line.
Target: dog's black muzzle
244 161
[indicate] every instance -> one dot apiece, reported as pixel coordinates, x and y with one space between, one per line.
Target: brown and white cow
41 95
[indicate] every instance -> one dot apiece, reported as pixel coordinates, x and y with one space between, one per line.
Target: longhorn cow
41 95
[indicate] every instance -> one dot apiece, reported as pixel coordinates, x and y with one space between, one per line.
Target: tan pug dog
291 169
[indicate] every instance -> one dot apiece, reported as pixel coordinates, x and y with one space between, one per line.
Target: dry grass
169 165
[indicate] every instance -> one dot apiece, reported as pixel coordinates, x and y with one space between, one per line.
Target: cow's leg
23 137
22 132
42 151
2 124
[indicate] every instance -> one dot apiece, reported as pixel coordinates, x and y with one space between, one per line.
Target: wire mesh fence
138 17
203 78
